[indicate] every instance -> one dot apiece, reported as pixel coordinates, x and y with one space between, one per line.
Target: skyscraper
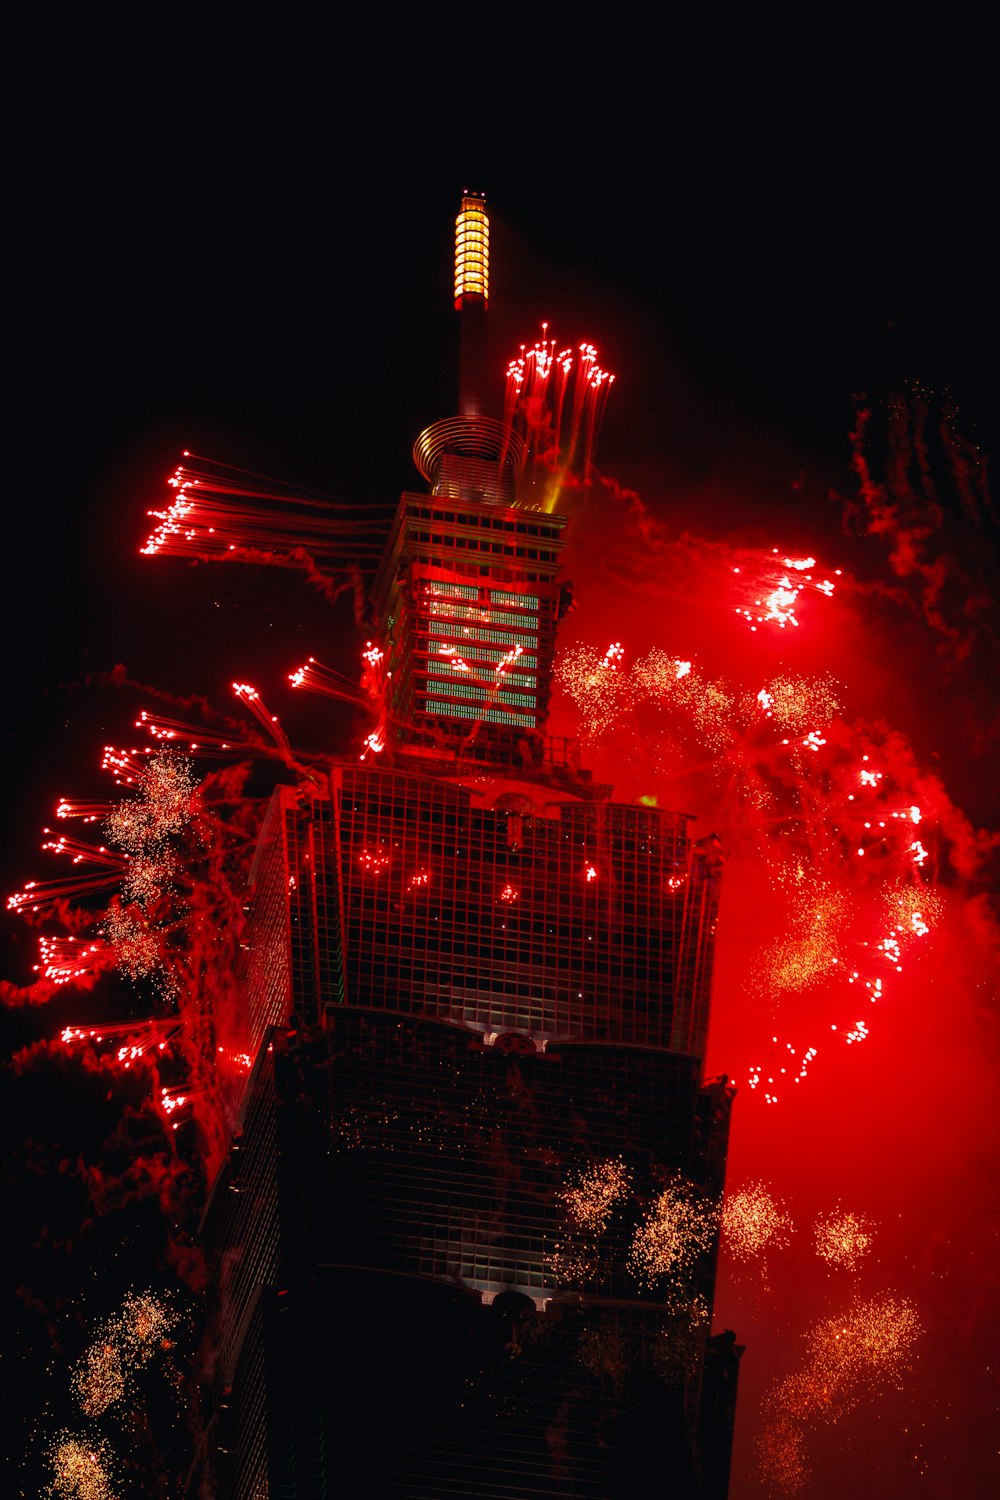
464 1243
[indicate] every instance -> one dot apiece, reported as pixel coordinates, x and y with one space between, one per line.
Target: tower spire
472 290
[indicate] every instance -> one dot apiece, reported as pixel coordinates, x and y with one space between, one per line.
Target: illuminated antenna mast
472 290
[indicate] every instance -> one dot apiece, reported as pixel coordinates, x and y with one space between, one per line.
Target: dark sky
234 236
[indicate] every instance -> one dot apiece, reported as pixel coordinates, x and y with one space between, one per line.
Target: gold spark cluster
99 1380
780 1457
797 704
123 1345
146 877
166 787
571 1263
137 951
591 1197
752 1222
843 1239
162 804
872 1341
910 906
83 1469
855 1355
595 684
677 1232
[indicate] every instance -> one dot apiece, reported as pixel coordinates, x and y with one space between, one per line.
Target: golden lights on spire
472 249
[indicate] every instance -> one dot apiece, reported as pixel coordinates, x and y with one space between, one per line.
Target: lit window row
523 601
483 613
479 633
443 668
524 663
467 711
453 590
482 693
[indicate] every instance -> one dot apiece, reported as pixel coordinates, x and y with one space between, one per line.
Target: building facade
465 1241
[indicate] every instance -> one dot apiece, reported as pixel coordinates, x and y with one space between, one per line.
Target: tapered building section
464 1245
467 600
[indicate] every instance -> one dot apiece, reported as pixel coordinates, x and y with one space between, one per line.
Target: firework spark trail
536 386
373 674
222 513
858 1354
771 592
196 739
143 825
77 967
740 730
171 1100
81 853
794 704
556 398
594 680
370 692
126 766
210 733
227 740
72 960
42 898
781 1459
178 947
811 945
67 960
131 1040
704 583
801 965
88 811
39 898
250 696
181 845
148 877
590 395
316 678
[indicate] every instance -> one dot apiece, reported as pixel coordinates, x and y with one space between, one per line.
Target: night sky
235 237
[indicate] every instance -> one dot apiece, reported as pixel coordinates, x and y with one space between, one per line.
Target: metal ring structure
471 437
